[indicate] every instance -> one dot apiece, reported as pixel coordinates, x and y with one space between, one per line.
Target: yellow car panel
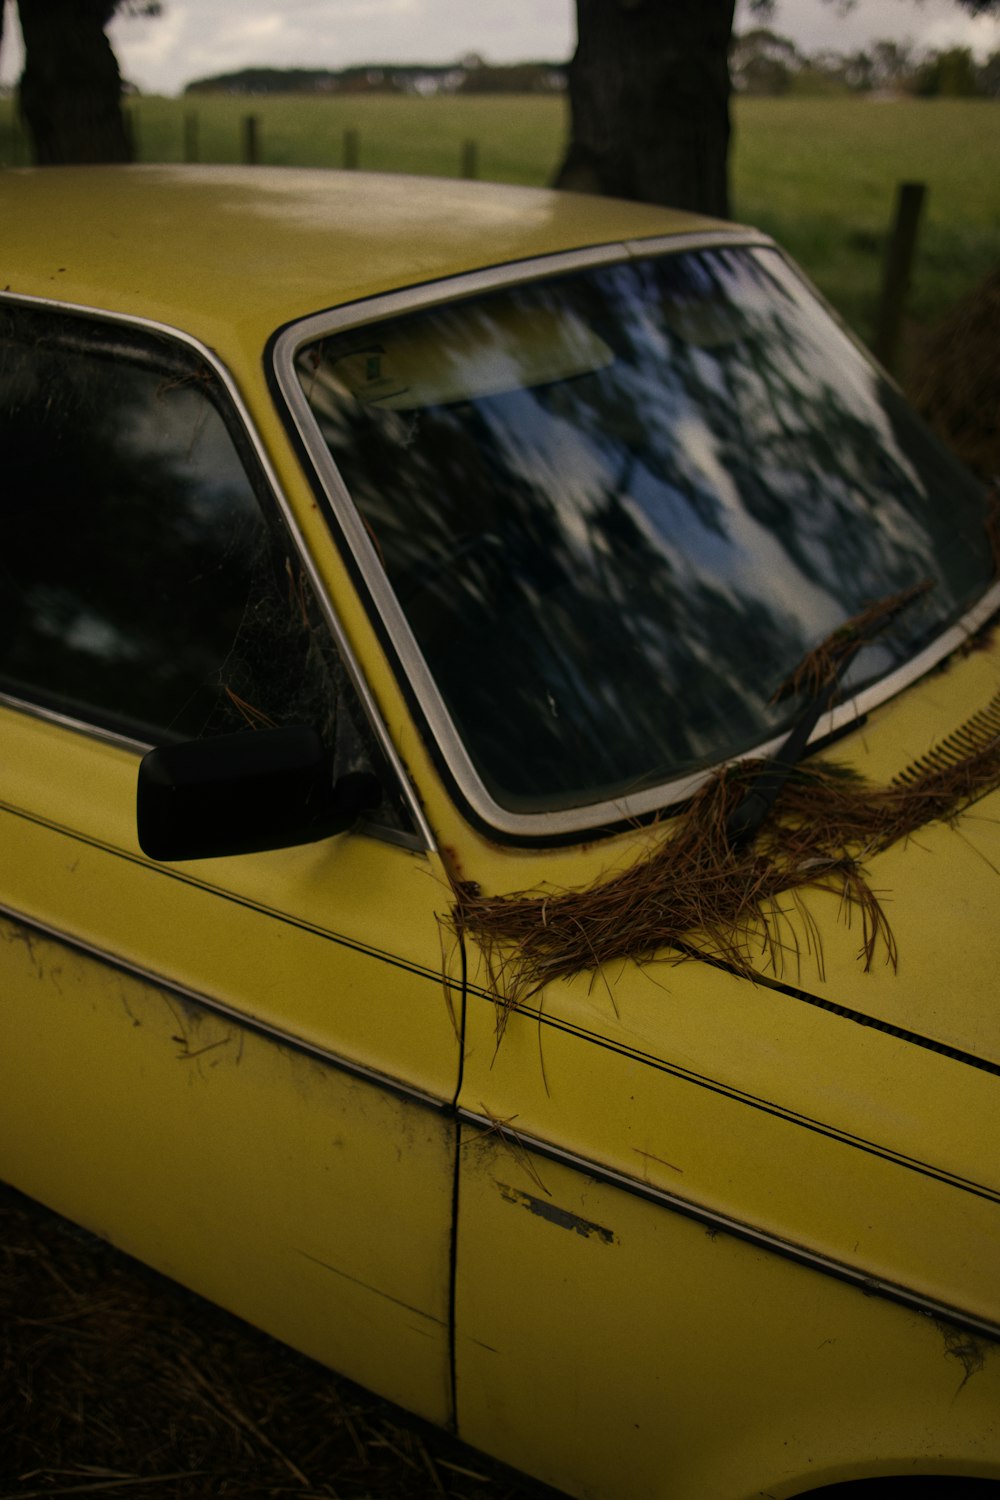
248 1169
668 1357
236 1090
300 240
783 1120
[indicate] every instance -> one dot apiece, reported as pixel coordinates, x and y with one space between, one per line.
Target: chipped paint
559 1216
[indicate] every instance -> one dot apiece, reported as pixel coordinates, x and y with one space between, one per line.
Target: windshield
620 506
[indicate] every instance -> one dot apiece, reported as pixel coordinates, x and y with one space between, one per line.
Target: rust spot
453 864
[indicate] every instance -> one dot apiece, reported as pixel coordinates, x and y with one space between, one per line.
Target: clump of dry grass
697 893
823 667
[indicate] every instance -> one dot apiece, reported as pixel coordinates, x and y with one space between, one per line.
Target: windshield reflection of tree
140 577
843 474
611 574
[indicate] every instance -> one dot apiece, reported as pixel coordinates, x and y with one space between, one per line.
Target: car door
717 1238
238 1069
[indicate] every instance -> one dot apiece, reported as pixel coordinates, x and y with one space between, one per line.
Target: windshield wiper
818 675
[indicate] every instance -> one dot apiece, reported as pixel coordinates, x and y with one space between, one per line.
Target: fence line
251 144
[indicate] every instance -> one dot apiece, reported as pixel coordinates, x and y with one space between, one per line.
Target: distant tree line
469 76
763 62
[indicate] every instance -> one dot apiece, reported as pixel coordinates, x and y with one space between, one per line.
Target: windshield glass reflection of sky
611 570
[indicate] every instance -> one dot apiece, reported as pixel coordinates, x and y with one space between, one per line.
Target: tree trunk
649 102
70 91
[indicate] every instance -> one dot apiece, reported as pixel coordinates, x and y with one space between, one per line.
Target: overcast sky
193 38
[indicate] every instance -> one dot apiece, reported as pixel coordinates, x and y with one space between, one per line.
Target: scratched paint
559 1216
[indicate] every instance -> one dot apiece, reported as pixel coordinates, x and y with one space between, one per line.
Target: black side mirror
242 793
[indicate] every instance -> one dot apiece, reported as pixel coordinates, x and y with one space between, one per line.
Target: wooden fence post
191 135
17 153
352 151
899 258
470 160
251 141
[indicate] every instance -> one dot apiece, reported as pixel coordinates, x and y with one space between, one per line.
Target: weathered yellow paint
641 1356
264 1178
298 938
260 1177
756 1104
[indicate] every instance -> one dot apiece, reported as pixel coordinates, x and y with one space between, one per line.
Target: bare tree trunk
649 102
71 89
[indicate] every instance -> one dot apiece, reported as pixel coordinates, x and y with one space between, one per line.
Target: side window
146 585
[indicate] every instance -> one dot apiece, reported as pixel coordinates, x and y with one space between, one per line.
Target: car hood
933 971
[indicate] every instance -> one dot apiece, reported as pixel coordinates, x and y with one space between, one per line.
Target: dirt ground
116 1382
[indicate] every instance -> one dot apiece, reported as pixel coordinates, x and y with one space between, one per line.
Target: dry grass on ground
115 1382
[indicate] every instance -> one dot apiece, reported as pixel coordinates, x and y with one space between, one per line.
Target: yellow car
499 827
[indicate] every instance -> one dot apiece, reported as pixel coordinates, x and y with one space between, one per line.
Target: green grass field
819 174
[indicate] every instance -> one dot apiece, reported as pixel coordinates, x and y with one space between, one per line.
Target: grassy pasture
819 174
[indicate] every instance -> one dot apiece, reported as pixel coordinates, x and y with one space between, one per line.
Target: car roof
216 248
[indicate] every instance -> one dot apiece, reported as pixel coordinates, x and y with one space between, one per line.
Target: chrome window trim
564 823
66 721
721 1223
424 839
